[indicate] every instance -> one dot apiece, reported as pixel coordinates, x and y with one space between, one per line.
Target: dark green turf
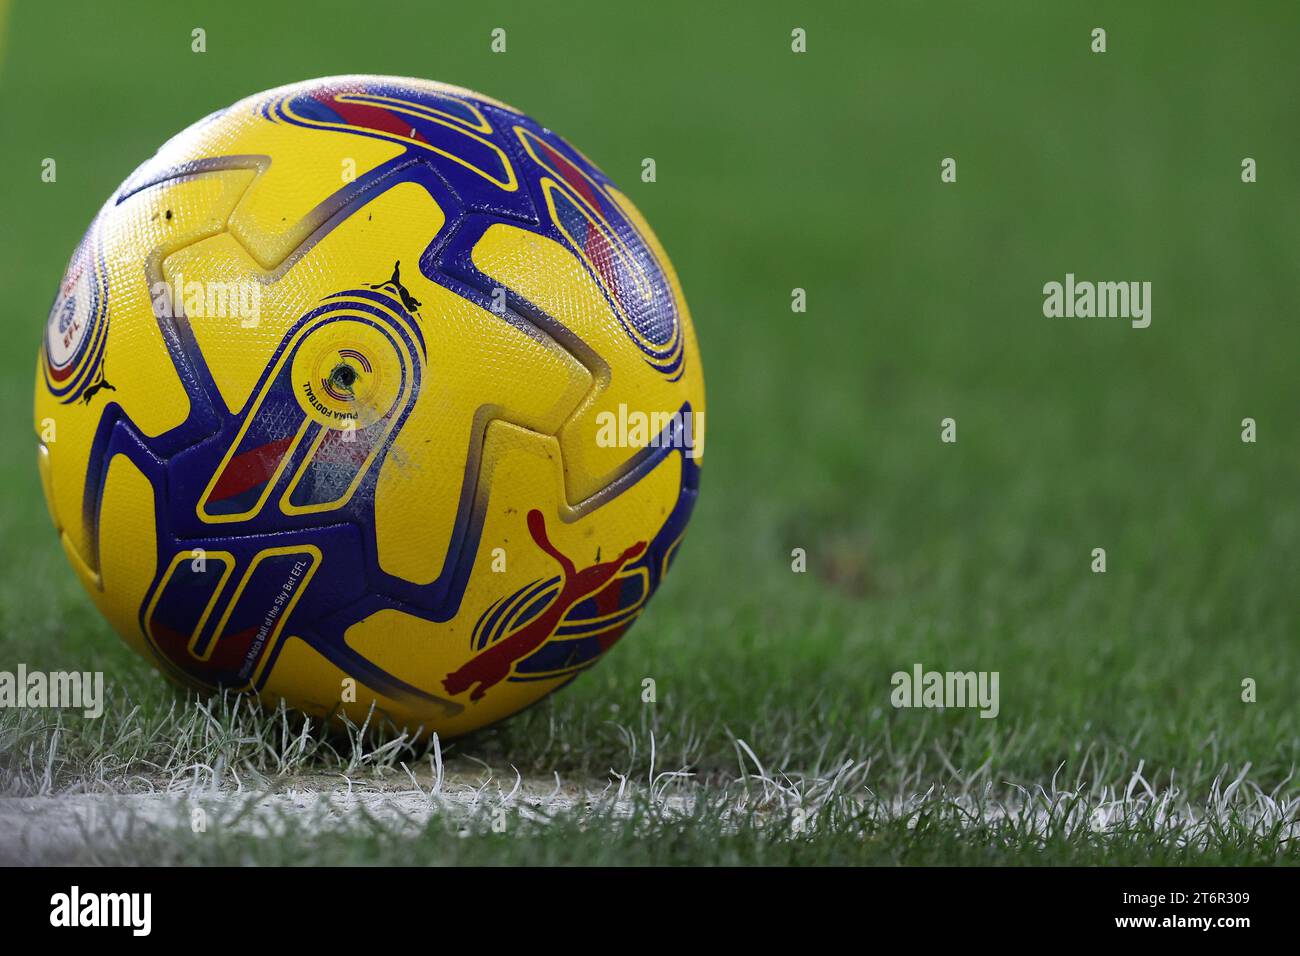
821 171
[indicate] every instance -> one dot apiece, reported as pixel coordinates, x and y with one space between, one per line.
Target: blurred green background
821 171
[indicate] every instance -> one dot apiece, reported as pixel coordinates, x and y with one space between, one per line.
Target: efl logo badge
77 328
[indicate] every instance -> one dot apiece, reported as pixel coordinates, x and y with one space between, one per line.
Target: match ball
372 396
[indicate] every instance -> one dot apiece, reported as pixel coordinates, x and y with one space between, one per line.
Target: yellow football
371 392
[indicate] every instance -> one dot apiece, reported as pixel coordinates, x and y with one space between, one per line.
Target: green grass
821 172
272 789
